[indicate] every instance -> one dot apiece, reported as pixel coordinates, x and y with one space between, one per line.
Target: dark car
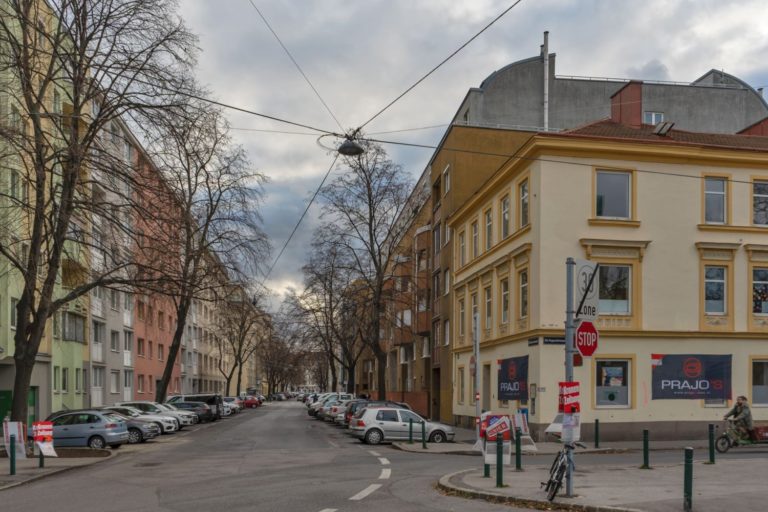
203 411
212 400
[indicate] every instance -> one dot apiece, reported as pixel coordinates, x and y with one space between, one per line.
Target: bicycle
558 469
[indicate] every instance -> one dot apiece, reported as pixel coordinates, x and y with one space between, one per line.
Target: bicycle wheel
557 483
560 461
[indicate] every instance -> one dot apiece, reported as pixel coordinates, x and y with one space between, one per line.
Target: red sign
568 399
42 431
586 338
492 425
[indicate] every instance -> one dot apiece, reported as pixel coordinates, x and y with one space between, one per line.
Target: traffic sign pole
570 263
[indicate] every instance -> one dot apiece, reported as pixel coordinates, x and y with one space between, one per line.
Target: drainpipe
545 50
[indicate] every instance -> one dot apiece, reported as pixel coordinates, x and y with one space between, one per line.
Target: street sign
586 338
587 290
472 365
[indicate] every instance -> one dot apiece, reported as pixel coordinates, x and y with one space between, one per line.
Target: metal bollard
410 430
688 481
597 433
424 435
646 456
486 470
499 460
711 443
518 451
41 461
12 454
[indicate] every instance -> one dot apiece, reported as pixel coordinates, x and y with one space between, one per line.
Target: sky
361 54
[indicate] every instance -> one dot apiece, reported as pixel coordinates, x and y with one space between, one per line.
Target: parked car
166 424
139 430
378 424
213 400
356 405
88 427
251 402
183 418
235 402
203 411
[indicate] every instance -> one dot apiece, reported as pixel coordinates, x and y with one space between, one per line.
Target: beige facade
660 253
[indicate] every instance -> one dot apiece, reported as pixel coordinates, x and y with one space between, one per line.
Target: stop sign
586 338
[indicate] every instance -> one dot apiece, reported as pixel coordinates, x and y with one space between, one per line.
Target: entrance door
486 405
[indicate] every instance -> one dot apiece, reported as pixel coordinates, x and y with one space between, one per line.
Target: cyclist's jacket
741 414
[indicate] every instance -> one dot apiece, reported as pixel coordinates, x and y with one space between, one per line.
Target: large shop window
760 382
615 289
612 383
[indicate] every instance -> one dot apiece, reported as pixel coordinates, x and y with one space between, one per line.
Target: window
475 239
140 312
436 286
760 202
98 377
488 307
99 332
65 380
15 185
505 217
436 239
504 301
524 217
522 278
160 352
488 230
74 327
114 381
150 314
128 301
114 299
612 383
128 341
475 319
462 386
653 117
613 198
760 382
447 282
14 306
461 317
447 332
140 347
149 349
447 235
56 378
387 415
760 291
447 179
128 379
140 384
78 380
615 289
715 200
714 290
114 341
57 324
462 249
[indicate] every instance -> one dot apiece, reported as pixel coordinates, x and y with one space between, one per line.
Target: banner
691 376
513 378
42 433
17 429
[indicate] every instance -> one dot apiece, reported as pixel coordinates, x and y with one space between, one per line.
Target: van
213 400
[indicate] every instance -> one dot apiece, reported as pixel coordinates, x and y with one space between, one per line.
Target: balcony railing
97 352
128 318
127 358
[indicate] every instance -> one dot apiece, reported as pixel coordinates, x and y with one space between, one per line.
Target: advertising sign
568 397
513 378
17 429
493 425
42 432
691 377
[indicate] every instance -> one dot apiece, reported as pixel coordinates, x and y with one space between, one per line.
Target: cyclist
742 418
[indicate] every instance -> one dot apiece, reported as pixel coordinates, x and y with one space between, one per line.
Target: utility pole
570 327
476 343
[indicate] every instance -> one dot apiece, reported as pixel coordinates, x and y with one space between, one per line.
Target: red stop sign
586 338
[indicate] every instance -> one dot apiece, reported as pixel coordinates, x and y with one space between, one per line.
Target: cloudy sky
361 54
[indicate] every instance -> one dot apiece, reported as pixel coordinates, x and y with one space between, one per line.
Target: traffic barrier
499 460
688 481
646 454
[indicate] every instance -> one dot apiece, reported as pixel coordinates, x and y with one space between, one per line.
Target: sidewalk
27 470
732 484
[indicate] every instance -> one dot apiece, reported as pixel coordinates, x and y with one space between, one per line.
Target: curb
475 453
445 485
57 471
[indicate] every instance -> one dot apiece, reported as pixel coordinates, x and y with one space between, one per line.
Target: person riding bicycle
742 418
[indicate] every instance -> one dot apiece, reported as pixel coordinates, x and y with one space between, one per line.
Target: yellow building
678 222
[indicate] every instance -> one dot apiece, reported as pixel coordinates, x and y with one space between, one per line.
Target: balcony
127 358
97 352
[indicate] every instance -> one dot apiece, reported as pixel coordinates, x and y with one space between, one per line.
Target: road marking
335 446
365 492
329 510
384 461
375 454
385 474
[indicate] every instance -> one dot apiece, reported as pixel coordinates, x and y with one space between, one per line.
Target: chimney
627 104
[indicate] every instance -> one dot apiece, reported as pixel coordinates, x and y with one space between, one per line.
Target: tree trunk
351 379
21 385
239 377
181 314
332 368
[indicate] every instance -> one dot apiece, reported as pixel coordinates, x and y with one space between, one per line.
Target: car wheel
134 436
179 426
438 437
96 442
373 436
160 426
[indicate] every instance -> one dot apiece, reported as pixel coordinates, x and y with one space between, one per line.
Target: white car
183 418
167 424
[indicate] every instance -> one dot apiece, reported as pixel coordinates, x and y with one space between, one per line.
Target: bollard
410 430
518 451
711 443
41 461
499 460
688 481
12 454
597 433
424 435
486 470
646 457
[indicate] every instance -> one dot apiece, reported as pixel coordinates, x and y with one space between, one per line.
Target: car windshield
166 407
115 416
129 411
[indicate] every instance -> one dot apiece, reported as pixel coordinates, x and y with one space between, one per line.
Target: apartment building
677 221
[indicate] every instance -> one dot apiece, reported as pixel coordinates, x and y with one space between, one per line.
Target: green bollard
486 470
41 460
499 460
424 435
711 443
410 430
646 456
597 433
518 451
12 454
688 481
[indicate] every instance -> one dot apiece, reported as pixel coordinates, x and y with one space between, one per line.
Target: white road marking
329 510
365 492
385 474
375 454
384 461
335 446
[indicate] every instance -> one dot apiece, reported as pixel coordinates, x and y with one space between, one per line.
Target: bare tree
68 70
363 216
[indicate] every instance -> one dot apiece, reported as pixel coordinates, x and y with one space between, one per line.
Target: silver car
183 418
379 424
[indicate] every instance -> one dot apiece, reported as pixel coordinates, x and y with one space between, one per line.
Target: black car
203 411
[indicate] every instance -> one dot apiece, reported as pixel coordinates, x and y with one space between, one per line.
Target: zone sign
586 338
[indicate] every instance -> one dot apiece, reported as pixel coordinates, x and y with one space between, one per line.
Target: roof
607 129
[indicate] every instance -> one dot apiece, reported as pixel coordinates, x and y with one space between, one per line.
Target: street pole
570 263
476 343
